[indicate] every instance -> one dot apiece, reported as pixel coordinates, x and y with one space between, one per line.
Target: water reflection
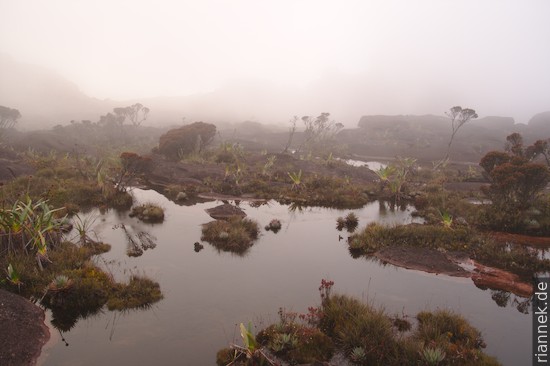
207 293
138 242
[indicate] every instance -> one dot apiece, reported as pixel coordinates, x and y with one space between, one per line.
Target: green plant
148 212
268 165
358 355
296 179
60 283
433 356
83 227
446 219
13 276
384 173
29 225
235 235
351 222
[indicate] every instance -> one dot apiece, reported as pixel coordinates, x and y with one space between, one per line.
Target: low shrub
235 235
148 212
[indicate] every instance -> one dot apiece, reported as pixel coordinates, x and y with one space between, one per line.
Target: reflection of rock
495 278
452 264
225 211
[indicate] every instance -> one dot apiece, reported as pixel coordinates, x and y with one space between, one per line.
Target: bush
186 140
376 236
235 235
353 324
451 333
148 212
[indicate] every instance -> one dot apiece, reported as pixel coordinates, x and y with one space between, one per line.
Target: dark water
208 293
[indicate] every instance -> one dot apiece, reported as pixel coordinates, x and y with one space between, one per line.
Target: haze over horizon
268 61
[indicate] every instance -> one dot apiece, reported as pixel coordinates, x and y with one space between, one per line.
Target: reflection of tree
382 208
501 298
523 305
137 243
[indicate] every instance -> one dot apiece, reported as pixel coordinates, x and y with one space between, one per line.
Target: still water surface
207 293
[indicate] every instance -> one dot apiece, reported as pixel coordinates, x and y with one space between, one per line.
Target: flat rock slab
225 211
22 330
453 264
421 259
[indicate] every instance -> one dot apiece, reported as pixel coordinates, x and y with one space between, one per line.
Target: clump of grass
518 259
353 324
140 292
148 212
453 336
235 235
274 225
376 236
295 342
365 335
350 222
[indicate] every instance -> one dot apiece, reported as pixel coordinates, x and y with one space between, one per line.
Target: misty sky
406 56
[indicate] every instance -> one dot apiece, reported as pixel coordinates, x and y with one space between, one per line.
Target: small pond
372 165
207 293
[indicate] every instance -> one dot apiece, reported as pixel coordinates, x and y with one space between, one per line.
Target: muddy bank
456 265
23 332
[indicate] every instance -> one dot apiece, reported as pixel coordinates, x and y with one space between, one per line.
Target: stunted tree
319 132
459 117
540 147
291 132
111 120
136 113
8 118
516 182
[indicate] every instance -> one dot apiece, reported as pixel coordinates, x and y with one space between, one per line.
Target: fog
269 60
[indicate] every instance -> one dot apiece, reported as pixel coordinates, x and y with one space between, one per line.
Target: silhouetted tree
132 165
540 147
186 139
136 113
8 118
459 117
291 132
319 132
111 120
514 144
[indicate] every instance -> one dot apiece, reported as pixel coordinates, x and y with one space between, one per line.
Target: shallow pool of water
372 165
207 293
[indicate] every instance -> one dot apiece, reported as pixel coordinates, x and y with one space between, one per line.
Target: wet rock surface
225 211
22 330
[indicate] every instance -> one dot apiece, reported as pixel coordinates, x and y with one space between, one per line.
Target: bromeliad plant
30 227
296 179
250 353
13 276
